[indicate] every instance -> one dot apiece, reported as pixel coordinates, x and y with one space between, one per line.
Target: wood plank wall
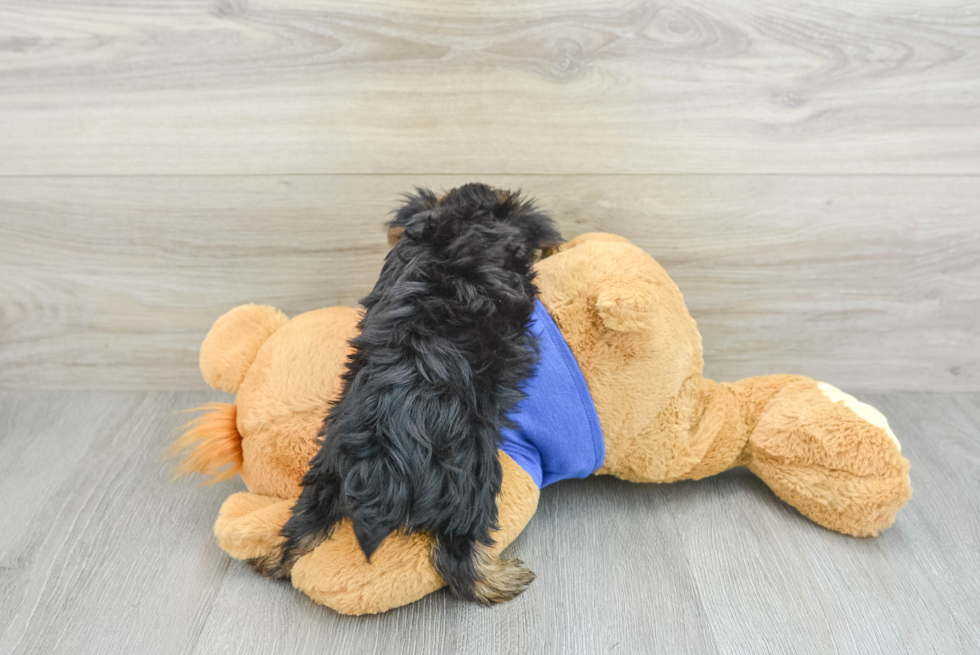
808 172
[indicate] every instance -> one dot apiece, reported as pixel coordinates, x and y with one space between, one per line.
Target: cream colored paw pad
863 410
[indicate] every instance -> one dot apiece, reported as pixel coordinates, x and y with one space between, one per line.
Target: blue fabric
558 434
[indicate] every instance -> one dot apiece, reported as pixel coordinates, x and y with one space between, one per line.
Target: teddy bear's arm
336 573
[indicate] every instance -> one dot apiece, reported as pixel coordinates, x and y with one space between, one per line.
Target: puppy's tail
216 445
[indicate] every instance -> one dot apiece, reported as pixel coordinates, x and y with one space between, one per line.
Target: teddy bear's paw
832 457
863 410
248 524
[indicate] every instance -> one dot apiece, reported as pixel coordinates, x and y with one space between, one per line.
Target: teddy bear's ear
233 342
593 236
626 303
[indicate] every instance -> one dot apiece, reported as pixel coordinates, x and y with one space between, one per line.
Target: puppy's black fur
443 349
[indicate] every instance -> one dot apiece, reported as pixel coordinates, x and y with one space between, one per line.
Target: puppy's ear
551 248
538 228
547 237
414 203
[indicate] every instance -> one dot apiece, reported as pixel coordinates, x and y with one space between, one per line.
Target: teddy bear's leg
336 573
824 452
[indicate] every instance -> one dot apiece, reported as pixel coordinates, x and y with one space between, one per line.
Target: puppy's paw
272 565
501 580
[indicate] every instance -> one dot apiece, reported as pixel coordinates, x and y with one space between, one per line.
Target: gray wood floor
99 553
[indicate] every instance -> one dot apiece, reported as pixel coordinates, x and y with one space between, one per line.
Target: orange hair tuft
215 441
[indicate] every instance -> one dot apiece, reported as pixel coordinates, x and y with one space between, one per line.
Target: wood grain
422 87
864 282
100 554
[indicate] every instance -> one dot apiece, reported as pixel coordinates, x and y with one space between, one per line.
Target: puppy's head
473 204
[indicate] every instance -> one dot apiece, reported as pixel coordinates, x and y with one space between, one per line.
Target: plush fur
437 367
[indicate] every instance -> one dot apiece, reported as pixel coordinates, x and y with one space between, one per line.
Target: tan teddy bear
832 457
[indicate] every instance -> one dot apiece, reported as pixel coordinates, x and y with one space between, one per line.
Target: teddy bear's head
286 374
626 322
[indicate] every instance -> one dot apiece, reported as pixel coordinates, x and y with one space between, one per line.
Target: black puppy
438 365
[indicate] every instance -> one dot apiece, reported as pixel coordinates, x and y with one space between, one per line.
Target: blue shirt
558 435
